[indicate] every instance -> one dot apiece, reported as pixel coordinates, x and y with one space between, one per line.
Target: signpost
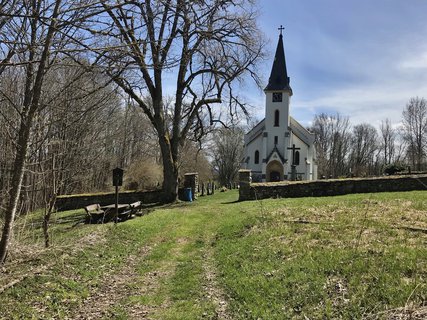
117 182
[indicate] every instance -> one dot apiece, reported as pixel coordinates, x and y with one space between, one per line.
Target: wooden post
117 205
117 181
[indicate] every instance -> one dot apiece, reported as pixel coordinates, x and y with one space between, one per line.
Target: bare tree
415 130
227 153
37 42
9 42
198 48
332 141
388 140
364 144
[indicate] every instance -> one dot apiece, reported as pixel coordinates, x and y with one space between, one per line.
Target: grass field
359 256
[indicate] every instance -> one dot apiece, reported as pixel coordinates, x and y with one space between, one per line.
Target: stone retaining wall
319 188
72 202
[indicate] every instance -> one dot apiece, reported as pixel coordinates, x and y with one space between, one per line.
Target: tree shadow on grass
231 202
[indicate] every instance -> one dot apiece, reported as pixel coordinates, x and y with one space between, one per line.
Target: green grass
352 257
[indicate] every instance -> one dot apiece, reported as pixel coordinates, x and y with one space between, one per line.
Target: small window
276 118
276 139
256 160
296 157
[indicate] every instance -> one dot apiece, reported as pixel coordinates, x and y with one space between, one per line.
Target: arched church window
296 157
276 118
256 157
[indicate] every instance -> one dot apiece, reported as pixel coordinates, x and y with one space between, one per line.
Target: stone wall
191 180
320 188
72 202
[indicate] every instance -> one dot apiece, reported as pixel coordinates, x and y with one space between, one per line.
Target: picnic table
101 214
120 207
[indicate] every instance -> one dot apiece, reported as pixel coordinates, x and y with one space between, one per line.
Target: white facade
279 148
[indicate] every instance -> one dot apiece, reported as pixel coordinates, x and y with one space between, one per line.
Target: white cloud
418 61
369 103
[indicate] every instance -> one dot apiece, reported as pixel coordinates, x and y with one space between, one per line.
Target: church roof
255 132
306 136
275 150
279 79
302 133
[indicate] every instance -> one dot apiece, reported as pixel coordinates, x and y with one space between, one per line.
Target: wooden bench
94 213
135 206
133 209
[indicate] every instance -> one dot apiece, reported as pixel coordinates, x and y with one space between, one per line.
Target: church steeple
279 80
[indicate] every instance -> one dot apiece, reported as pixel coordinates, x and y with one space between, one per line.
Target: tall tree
332 139
227 153
415 130
37 40
388 140
364 144
197 49
9 42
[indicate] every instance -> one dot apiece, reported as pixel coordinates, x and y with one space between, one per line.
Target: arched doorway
274 171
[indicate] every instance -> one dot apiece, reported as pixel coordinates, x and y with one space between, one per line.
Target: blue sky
364 59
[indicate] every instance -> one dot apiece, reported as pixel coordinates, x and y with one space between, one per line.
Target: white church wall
302 169
271 106
253 146
280 130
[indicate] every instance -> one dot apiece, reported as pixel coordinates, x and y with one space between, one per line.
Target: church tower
277 94
279 148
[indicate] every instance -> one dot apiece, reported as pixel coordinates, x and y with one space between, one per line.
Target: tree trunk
18 173
170 171
46 220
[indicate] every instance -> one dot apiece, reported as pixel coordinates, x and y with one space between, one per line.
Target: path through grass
351 257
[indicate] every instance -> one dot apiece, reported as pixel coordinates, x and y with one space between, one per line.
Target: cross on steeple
281 29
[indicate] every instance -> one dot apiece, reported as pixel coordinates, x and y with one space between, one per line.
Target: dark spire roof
279 79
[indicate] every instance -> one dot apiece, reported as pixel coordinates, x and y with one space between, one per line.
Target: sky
361 58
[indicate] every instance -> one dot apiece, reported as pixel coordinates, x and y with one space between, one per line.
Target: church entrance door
274 171
274 176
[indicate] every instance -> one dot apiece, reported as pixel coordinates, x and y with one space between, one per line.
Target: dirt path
213 290
107 300
114 288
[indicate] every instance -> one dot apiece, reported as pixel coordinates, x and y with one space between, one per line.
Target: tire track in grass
129 294
213 291
154 284
114 288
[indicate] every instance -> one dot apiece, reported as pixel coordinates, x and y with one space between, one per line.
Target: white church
279 148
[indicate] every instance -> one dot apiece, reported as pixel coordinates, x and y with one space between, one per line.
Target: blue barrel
188 194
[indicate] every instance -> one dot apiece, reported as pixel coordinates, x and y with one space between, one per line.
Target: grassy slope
353 256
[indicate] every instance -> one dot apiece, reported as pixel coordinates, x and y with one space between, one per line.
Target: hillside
355 256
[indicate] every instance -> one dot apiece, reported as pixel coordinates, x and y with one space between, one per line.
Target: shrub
144 175
394 168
